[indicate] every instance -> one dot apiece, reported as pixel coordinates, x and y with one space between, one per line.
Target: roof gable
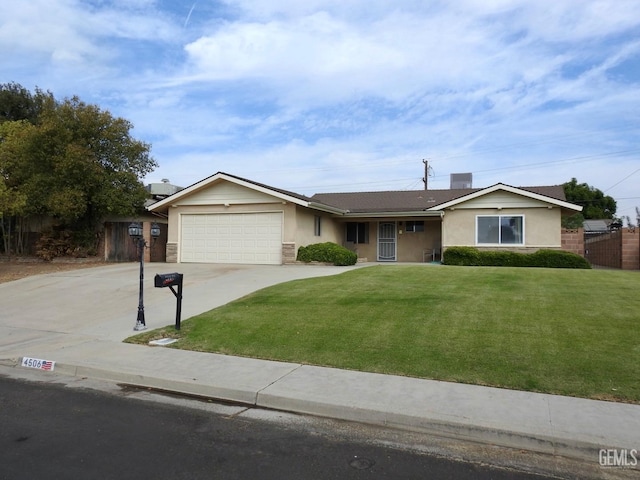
223 188
551 195
224 192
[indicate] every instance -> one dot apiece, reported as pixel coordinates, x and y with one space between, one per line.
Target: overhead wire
488 170
618 183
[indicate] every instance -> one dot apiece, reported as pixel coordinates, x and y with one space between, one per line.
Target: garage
251 238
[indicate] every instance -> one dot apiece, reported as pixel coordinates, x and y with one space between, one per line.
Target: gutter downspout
442 236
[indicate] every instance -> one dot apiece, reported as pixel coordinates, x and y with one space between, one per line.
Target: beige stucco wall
305 226
541 226
411 245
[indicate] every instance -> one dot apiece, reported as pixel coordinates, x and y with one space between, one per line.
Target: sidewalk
565 426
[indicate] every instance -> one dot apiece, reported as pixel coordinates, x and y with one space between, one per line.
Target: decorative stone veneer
288 252
172 253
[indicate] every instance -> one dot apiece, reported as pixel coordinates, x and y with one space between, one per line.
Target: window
500 230
317 225
417 226
358 232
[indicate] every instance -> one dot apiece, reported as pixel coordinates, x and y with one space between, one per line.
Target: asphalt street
51 431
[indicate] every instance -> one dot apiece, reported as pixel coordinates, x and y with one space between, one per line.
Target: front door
387 242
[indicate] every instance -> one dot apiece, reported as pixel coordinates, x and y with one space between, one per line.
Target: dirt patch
21 267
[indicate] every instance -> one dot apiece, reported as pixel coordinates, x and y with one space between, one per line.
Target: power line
527 144
618 183
556 162
489 170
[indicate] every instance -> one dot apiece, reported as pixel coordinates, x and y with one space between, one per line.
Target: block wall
573 240
630 249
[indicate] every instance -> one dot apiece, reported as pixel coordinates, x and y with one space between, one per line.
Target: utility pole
427 171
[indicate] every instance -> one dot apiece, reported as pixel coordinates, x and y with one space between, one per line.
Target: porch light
135 230
155 230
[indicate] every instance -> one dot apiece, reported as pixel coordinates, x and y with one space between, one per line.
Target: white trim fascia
417 213
510 189
326 208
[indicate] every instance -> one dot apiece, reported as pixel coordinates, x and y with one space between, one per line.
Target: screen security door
387 242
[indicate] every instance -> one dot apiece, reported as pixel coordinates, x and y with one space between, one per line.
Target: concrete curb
507 438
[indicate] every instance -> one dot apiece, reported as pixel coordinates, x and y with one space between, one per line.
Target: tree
596 205
73 162
18 103
93 163
11 204
13 200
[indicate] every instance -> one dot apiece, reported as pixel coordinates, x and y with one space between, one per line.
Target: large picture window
500 229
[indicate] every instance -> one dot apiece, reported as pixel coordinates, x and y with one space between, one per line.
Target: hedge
327 252
471 256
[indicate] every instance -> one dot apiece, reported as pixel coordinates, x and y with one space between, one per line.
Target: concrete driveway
101 303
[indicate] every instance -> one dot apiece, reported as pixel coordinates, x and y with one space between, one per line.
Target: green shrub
462 256
471 256
502 258
327 252
558 259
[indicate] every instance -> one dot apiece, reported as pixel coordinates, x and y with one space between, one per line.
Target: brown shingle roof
411 200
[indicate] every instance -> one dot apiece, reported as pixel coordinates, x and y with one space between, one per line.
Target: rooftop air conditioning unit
461 180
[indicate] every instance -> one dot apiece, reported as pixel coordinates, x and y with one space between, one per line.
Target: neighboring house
597 226
228 219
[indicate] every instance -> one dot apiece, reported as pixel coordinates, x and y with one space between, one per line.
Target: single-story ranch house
228 219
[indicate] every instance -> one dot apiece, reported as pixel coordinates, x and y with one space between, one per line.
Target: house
600 226
229 219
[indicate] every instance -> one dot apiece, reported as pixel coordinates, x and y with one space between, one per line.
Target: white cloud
328 93
51 28
319 57
71 33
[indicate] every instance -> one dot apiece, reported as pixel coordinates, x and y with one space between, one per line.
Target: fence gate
603 249
120 247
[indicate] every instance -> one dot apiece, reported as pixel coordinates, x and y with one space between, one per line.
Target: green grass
569 332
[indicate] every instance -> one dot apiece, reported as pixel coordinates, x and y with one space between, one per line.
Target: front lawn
569 332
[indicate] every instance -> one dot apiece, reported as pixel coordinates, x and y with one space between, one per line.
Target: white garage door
232 238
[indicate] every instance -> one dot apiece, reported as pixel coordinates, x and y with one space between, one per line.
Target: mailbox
171 280
168 279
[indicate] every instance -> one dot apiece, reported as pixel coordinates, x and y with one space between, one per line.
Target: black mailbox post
171 280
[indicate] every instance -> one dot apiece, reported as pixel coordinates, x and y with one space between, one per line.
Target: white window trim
500 244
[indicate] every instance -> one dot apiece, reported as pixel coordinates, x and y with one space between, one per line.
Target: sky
318 96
